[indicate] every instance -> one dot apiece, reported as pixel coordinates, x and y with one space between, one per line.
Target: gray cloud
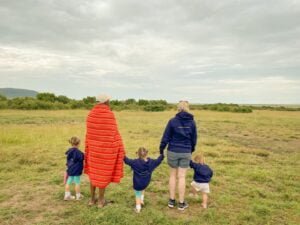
206 51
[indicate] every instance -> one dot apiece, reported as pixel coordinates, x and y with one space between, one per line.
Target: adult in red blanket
104 150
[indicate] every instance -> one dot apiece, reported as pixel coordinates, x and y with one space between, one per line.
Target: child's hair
74 141
199 158
142 152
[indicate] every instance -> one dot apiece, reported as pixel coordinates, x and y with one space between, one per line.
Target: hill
16 92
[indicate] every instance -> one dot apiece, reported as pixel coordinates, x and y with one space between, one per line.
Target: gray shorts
181 160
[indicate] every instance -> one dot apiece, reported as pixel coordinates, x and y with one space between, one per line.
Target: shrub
2 98
48 97
63 99
155 108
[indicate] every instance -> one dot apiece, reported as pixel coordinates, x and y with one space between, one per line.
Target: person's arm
86 156
211 173
192 164
128 161
166 138
157 162
194 136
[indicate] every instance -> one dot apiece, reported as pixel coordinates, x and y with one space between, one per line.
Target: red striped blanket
104 150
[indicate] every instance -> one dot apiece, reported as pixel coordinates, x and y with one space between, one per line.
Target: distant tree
2 98
143 102
155 108
63 99
89 100
48 97
130 101
116 102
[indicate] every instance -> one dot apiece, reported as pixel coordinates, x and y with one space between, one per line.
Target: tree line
49 101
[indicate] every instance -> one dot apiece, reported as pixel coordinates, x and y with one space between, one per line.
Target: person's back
202 176
180 134
202 172
142 168
75 160
104 150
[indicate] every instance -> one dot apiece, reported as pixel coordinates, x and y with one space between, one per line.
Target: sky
204 51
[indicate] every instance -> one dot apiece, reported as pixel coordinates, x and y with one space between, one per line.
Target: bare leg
194 191
77 189
101 197
142 198
93 199
172 183
138 201
67 188
181 183
204 200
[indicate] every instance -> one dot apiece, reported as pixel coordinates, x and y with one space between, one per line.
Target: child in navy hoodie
142 171
202 177
74 169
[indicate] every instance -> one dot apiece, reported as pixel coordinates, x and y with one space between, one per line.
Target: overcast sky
205 51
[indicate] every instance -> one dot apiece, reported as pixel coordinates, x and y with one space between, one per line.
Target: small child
142 171
202 177
74 169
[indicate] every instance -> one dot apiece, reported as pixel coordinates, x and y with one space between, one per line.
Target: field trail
255 158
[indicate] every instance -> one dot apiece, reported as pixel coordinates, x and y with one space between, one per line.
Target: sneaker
171 203
182 206
137 210
69 198
80 197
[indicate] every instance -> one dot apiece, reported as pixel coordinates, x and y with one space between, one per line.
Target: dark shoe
171 203
182 206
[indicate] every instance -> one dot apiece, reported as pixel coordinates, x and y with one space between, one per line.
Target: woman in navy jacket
181 136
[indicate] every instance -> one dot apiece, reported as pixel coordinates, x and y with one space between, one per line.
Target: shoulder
69 151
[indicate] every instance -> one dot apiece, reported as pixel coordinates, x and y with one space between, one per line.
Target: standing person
142 168
74 169
181 136
202 176
104 151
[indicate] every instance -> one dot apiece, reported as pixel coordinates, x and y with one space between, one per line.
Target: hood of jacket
184 116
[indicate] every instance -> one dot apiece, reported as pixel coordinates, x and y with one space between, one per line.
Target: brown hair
74 141
199 158
142 152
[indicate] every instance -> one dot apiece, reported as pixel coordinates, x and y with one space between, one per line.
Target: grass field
255 158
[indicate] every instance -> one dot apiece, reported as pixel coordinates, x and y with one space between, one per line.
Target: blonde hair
74 141
142 152
199 158
183 106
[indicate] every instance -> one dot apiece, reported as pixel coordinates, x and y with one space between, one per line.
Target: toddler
202 177
74 169
142 170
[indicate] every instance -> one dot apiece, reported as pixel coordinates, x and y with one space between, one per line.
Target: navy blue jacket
74 162
180 134
202 172
142 171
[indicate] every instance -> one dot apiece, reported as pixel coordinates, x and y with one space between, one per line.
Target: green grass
255 158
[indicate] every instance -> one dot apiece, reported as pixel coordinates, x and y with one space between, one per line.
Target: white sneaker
69 198
80 197
137 210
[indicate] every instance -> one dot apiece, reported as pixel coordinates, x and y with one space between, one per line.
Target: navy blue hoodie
180 134
202 172
74 162
142 171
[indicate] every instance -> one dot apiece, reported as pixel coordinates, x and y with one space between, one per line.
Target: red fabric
104 150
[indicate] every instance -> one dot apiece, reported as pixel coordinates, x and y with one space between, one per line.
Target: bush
47 97
2 98
63 99
154 108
